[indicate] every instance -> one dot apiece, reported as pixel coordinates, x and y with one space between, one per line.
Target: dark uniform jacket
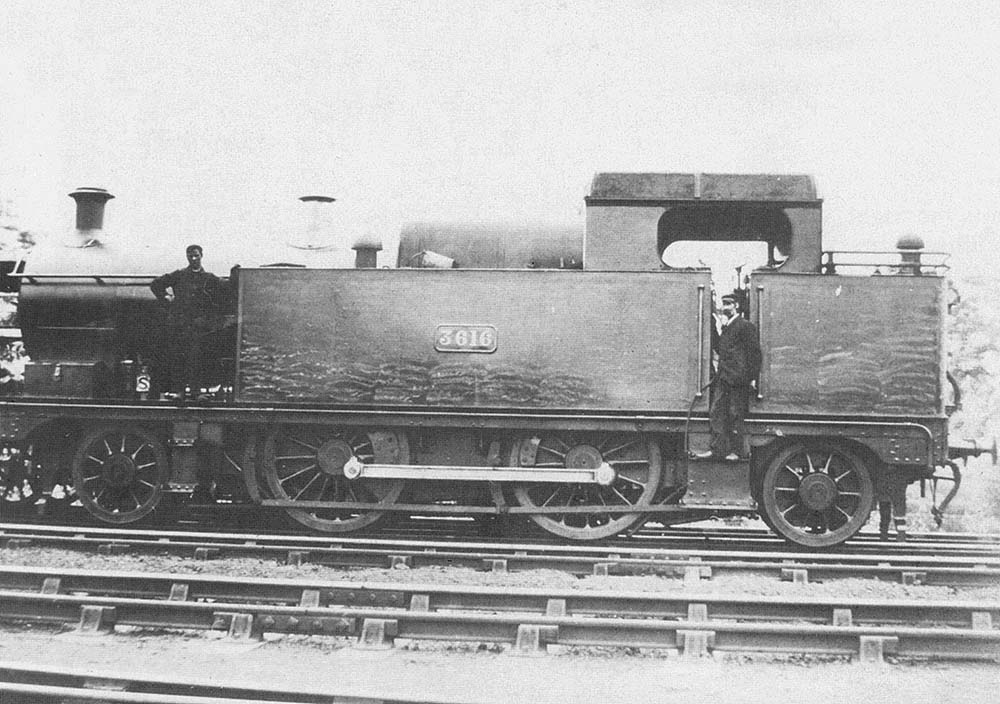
199 296
738 347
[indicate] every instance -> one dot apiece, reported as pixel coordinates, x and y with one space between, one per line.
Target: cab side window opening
767 226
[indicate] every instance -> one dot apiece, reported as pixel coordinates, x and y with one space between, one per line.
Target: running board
603 475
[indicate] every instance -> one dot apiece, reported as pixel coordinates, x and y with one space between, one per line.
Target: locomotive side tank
473 338
841 345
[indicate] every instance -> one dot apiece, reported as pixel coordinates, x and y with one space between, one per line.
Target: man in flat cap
738 348
195 307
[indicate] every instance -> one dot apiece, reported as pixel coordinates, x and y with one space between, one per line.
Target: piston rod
603 474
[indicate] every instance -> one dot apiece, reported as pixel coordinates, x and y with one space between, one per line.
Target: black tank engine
550 374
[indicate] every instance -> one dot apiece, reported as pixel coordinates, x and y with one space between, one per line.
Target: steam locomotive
542 374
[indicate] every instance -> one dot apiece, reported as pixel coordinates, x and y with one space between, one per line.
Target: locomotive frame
335 381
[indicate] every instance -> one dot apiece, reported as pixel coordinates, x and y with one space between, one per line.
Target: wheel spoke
300 472
561 441
626 445
294 457
552 496
98 461
796 471
621 496
826 467
297 441
303 490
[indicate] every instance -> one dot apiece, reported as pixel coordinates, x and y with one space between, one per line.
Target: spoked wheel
306 463
635 459
817 494
119 472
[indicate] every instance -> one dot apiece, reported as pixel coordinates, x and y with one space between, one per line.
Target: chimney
318 222
90 207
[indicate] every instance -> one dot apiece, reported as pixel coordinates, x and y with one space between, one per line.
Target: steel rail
31 683
450 597
652 531
713 543
452 529
690 564
378 628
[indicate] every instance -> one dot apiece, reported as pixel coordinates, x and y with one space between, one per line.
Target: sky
207 120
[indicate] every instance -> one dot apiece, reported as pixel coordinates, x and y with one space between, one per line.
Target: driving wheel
306 463
634 458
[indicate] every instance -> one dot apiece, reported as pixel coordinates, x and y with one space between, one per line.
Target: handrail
760 317
902 263
701 340
135 279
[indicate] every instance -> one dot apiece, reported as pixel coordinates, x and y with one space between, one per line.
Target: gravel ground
483 675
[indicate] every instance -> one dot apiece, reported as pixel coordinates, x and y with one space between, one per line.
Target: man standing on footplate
738 348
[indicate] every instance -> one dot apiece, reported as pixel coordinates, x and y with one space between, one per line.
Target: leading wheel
817 494
635 459
119 472
306 463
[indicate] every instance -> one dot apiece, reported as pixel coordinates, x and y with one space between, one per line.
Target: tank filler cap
368 240
910 242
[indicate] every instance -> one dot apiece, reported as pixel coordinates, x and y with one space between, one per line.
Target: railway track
32 684
239 518
529 620
969 568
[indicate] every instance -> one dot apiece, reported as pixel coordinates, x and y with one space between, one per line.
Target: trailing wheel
634 458
817 494
119 472
306 463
